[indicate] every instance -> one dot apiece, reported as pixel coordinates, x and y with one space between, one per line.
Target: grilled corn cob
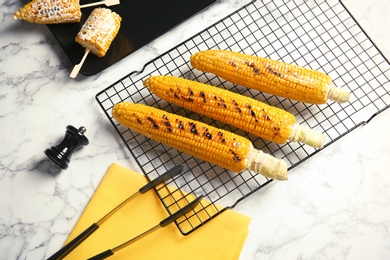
217 146
250 115
270 76
99 30
50 11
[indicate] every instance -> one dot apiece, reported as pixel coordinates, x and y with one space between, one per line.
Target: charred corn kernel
50 11
270 76
99 30
208 143
246 113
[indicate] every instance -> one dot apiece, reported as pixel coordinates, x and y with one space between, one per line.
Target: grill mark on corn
181 127
232 63
220 101
193 128
251 112
202 95
167 123
154 124
294 74
236 106
174 93
273 71
276 131
267 67
190 99
235 156
253 67
220 135
207 134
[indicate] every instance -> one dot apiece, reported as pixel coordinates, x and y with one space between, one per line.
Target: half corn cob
99 30
270 76
217 146
50 12
250 115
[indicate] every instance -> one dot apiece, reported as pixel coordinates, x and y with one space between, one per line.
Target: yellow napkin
221 238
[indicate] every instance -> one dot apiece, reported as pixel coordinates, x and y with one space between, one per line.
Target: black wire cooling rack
321 35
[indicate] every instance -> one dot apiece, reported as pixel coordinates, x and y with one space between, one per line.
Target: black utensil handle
102 255
74 243
163 223
181 212
162 178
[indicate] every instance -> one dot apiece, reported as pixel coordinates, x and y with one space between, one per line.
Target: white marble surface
334 206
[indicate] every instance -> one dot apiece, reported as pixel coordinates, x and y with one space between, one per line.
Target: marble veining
334 205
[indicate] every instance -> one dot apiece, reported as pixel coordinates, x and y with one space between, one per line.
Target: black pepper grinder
61 153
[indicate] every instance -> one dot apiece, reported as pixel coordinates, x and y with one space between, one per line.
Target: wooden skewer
77 67
105 2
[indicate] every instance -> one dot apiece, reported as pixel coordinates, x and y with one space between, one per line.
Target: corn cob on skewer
99 30
250 115
270 76
217 146
50 12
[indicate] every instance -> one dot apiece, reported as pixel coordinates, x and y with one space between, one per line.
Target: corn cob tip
307 136
340 95
267 165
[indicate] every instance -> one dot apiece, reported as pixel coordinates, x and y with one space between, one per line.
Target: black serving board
142 22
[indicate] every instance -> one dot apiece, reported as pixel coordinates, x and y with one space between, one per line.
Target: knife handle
74 243
102 255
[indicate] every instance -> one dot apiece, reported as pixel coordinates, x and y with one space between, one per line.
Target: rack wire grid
321 35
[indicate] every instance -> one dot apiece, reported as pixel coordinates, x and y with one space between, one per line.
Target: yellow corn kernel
246 113
99 30
50 12
208 143
270 76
